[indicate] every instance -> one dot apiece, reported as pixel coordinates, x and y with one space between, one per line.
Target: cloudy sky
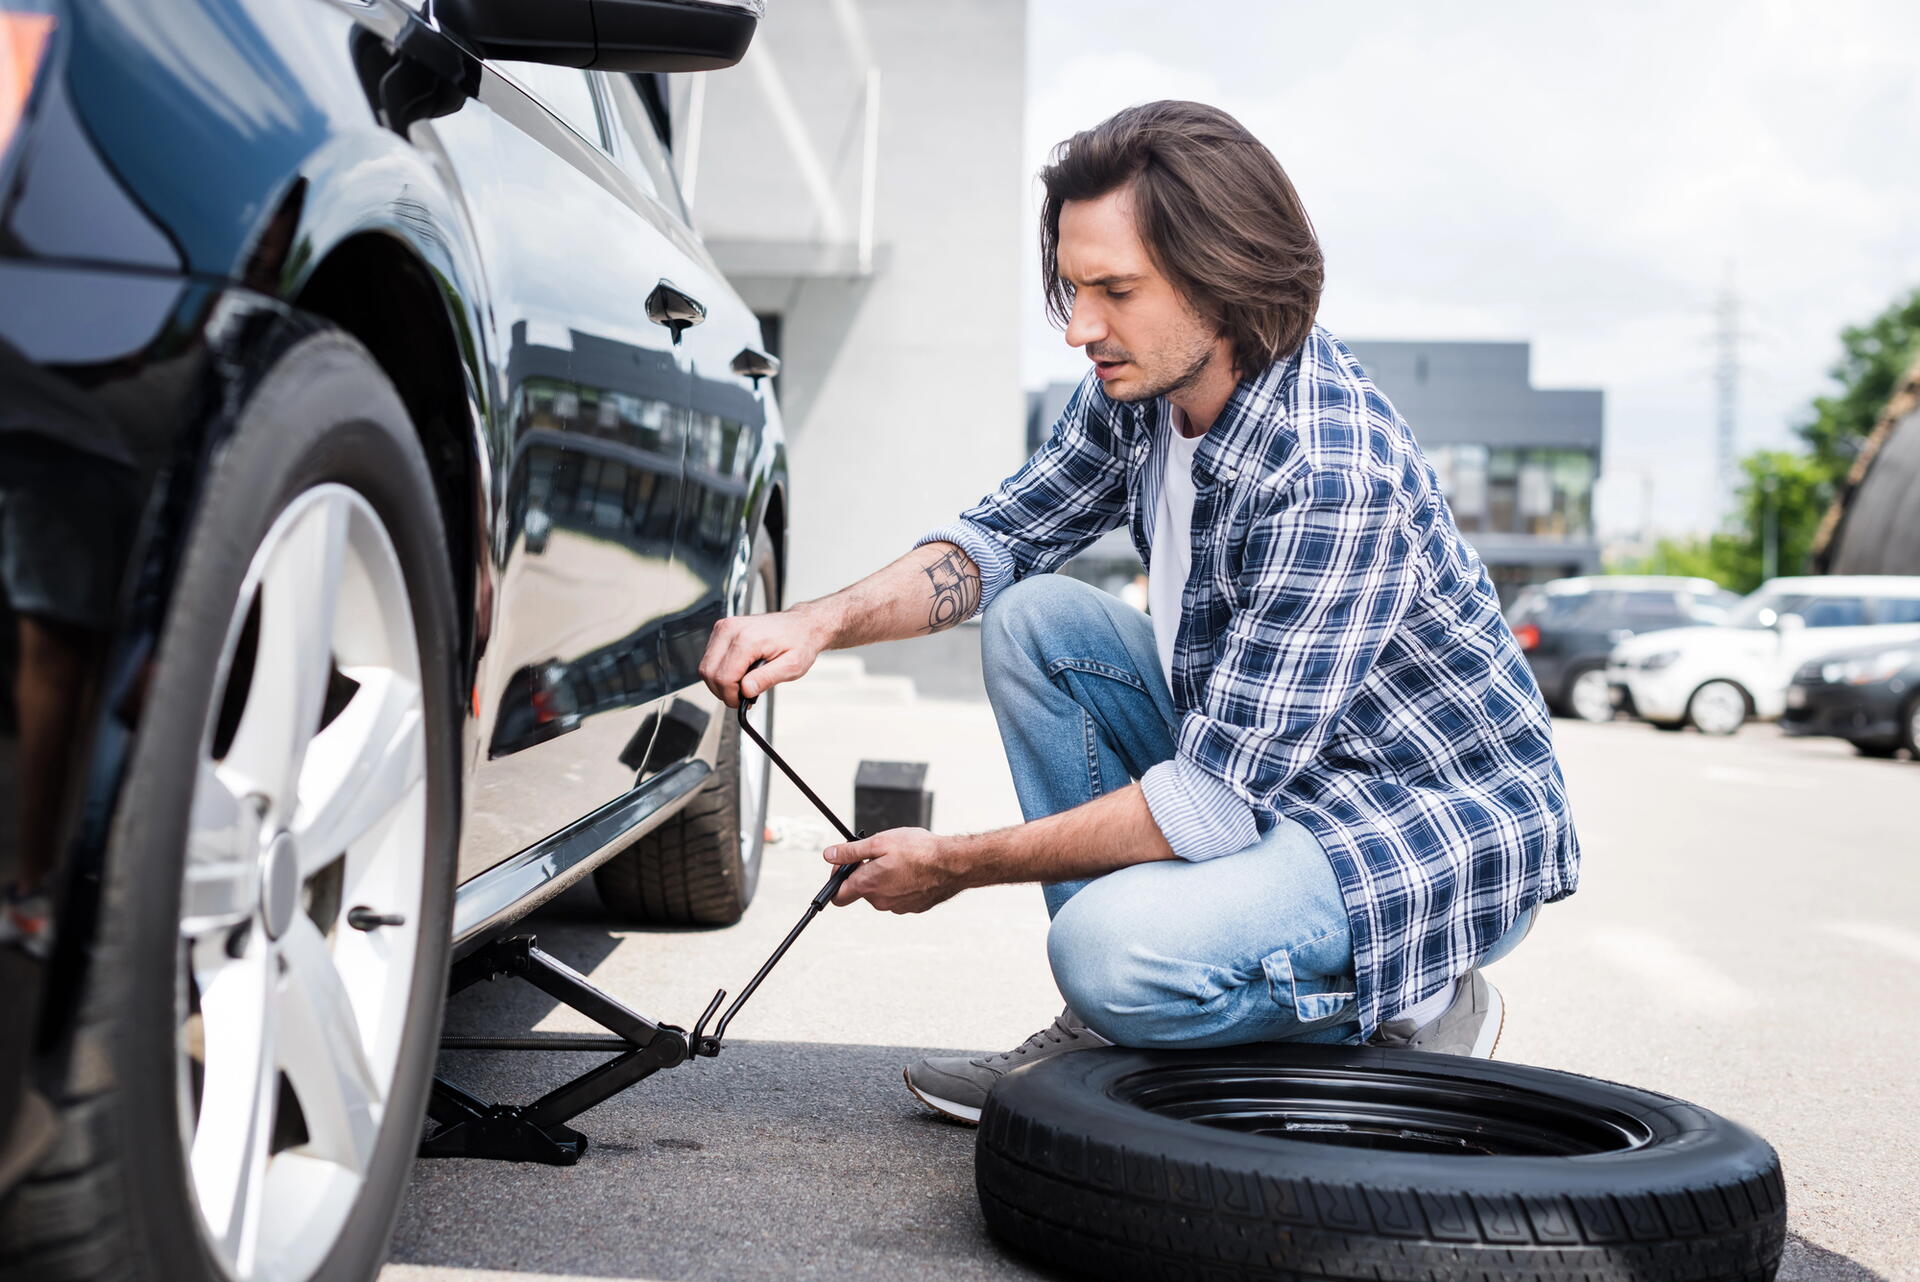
1580 176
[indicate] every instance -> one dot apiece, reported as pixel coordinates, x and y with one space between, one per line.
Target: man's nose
1084 324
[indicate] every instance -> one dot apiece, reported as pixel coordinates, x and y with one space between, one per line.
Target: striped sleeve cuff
995 563
1199 814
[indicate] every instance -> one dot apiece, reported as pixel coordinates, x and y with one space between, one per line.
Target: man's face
1140 333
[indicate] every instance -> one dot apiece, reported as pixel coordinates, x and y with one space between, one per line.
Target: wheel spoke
368 759
294 657
324 1054
239 1097
223 849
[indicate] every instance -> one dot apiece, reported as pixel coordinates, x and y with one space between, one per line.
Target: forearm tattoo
956 590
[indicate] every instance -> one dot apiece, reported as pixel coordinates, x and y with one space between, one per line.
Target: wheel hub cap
279 885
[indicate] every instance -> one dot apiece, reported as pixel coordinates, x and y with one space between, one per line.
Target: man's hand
908 870
789 641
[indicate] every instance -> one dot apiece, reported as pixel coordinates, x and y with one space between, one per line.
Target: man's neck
1203 400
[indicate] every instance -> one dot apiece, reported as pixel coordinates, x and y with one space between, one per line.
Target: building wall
900 386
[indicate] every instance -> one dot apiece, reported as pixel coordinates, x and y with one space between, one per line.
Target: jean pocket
1297 983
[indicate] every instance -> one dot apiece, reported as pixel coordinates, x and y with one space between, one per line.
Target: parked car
1715 678
1566 628
1869 696
379 445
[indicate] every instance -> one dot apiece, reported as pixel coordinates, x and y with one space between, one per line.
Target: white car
1717 677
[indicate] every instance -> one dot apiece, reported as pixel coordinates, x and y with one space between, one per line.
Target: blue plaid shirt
1341 658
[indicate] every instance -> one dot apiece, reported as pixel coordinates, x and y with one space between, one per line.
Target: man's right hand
788 640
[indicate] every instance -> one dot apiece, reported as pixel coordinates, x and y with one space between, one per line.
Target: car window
1897 610
638 148
1834 612
565 91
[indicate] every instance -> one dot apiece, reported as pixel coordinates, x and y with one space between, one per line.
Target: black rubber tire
1910 727
1671 727
111 1199
1879 750
1071 1171
692 869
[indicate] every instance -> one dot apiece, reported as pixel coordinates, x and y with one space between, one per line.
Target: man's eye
1119 293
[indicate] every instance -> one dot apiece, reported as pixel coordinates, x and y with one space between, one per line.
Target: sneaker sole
945 1107
1484 1046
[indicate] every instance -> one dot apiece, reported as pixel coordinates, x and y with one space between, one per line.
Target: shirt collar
1235 446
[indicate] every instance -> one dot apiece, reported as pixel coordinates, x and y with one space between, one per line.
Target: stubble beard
1196 366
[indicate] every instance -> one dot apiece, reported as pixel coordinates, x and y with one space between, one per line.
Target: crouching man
1314 791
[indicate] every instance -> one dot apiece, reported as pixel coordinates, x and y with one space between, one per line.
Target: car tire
1875 749
1588 696
1671 727
1910 727
1718 707
701 866
147 1098
1282 1161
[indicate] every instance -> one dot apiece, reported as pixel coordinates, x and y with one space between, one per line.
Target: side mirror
607 35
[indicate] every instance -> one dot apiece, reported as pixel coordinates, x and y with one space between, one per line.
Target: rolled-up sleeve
1073 490
1326 576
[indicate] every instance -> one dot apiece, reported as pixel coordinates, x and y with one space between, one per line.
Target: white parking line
1901 943
1760 778
1678 977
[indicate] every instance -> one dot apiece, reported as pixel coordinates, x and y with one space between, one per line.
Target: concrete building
859 179
1517 462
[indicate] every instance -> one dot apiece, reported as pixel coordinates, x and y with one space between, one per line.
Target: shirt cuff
1199 814
993 561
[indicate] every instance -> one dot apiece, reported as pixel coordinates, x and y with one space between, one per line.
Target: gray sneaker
956 1087
1470 1025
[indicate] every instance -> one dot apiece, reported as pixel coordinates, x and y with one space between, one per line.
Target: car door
589 435
728 409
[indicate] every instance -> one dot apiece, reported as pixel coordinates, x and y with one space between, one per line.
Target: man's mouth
1107 369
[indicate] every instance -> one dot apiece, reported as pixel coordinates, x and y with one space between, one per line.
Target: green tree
1875 355
1778 507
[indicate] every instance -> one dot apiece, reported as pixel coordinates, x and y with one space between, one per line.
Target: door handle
755 364
673 307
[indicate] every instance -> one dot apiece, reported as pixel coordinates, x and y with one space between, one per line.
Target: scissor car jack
467 1126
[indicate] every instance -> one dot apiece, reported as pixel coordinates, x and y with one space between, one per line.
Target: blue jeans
1248 947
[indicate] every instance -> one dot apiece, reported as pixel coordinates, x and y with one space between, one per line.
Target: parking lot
1747 935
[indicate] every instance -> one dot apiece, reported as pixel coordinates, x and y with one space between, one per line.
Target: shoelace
1052 1035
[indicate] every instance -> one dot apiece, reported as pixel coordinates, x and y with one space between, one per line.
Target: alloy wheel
755 769
303 889
1718 707
1592 698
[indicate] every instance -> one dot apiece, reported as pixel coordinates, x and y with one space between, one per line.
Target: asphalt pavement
1747 935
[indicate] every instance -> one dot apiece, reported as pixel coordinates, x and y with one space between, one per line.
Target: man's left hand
907 870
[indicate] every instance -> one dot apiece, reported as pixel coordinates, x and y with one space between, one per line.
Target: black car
1567 627
1869 696
378 447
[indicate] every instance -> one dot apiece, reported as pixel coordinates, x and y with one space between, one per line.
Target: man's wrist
822 619
967 859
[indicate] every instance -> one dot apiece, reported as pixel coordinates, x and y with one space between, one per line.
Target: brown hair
1215 210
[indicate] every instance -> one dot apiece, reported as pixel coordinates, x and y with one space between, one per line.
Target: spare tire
1288 1161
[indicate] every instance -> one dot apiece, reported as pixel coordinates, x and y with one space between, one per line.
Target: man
1312 793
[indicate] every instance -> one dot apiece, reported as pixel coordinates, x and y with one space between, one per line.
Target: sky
1587 178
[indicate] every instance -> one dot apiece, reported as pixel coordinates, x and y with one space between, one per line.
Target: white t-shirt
1172 539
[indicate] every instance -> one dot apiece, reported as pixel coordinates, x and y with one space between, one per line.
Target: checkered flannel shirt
1341 658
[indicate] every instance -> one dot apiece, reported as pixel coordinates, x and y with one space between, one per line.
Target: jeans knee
1026 610
1124 991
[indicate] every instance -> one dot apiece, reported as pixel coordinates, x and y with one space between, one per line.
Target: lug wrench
701 1042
